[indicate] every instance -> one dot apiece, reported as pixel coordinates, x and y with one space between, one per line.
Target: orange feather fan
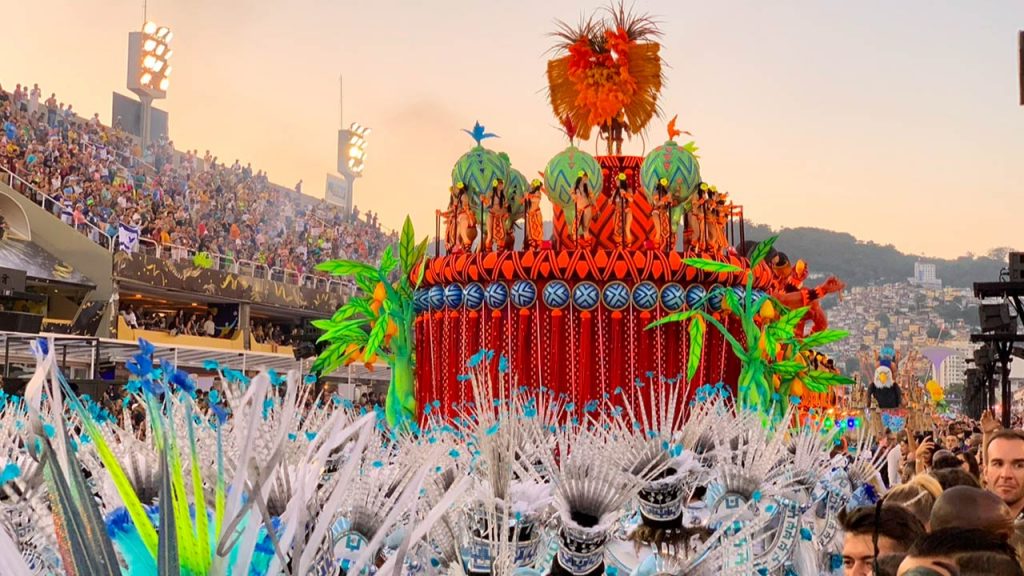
610 70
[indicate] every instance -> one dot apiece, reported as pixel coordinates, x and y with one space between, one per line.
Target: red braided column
616 367
520 364
496 343
586 384
555 366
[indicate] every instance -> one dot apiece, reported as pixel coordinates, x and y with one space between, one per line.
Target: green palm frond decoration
378 322
770 358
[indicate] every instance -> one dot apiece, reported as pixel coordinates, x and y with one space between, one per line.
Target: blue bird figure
479 133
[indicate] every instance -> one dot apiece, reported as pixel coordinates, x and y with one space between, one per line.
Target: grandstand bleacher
216 244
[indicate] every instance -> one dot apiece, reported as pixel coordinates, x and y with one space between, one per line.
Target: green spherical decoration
478 169
560 178
674 162
516 188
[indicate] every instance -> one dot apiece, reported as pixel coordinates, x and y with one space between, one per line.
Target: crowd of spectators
183 322
201 323
951 503
183 200
266 332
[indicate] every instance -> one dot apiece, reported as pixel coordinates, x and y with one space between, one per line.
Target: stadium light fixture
354 147
153 55
149 69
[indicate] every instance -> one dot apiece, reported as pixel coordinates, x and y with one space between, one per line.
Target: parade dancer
584 209
497 226
661 214
622 202
534 219
466 223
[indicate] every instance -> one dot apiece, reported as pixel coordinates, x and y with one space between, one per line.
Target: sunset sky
895 121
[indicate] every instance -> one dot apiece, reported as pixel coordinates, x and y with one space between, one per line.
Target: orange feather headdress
608 70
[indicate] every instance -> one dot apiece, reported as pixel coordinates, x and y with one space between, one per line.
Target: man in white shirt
34 96
893 458
130 319
209 328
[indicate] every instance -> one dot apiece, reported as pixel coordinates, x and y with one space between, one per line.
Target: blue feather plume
479 134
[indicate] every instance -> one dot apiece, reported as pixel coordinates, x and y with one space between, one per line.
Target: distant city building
953 368
905 315
924 276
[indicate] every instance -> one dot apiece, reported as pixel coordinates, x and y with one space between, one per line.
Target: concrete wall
69 245
17 221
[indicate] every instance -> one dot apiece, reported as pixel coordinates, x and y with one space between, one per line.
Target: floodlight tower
352 143
149 69
352 154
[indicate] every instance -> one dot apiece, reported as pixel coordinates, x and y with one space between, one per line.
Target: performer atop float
466 222
792 293
716 218
451 217
661 215
695 219
497 225
584 208
534 219
622 203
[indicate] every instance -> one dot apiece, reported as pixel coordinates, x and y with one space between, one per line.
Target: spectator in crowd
939 550
192 326
872 532
893 457
1004 468
952 443
129 317
209 327
967 507
918 495
266 332
969 462
178 324
950 477
944 459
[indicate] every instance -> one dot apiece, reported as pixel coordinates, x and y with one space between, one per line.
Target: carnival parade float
573 312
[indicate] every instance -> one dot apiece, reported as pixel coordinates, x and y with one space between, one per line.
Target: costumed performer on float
695 217
792 293
622 203
584 210
661 214
716 218
451 217
497 226
534 218
466 222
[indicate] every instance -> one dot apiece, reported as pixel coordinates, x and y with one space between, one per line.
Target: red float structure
574 320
